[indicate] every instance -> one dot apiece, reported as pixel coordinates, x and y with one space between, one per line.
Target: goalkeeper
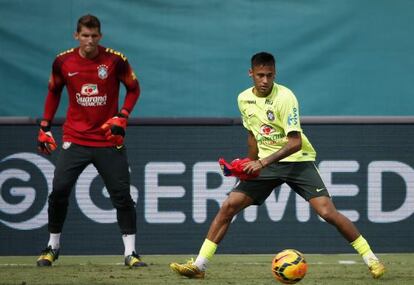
93 132
279 152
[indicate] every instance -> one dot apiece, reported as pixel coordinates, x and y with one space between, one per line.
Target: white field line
346 262
34 265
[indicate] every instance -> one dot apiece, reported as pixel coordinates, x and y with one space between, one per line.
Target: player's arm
115 127
252 149
289 114
293 145
55 87
46 142
128 78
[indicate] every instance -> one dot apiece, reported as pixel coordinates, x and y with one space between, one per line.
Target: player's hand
46 144
253 166
236 168
115 127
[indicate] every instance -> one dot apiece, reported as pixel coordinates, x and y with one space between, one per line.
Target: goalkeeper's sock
129 244
54 240
363 248
206 253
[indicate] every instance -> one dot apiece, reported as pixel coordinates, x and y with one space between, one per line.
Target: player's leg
325 208
112 165
305 180
233 204
244 194
71 162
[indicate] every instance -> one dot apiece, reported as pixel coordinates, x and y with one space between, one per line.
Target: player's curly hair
263 58
89 21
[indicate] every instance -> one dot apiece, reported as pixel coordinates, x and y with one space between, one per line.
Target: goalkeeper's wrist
45 125
123 114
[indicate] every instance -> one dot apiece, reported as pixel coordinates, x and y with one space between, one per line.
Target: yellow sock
361 246
206 253
208 249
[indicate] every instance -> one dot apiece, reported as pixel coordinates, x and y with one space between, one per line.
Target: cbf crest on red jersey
102 71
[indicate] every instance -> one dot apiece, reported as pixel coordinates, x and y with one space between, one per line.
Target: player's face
88 41
263 77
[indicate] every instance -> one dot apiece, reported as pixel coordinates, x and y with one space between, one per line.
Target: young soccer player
278 148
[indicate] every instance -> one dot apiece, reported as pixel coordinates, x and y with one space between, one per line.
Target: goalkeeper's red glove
235 168
45 142
115 127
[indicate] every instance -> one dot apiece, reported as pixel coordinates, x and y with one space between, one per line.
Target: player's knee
58 198
122 201
62 188
228 210
328 215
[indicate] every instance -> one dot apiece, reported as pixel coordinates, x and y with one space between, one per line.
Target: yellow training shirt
271 118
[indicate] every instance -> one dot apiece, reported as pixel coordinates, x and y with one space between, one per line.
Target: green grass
224 269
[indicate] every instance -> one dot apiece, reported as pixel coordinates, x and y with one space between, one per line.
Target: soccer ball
289 266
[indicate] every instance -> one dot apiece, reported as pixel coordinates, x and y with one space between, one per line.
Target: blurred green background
342 58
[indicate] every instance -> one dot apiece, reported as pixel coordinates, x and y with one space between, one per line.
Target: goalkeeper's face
263 77
88 41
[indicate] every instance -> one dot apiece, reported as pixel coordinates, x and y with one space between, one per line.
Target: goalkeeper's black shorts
112 165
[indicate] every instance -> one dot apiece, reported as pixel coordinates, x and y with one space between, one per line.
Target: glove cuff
45 125
123 114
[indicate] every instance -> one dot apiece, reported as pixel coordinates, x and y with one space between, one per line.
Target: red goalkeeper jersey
93 89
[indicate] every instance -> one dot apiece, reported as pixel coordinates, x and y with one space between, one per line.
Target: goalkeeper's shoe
47 256
187 269
376 267
134 260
